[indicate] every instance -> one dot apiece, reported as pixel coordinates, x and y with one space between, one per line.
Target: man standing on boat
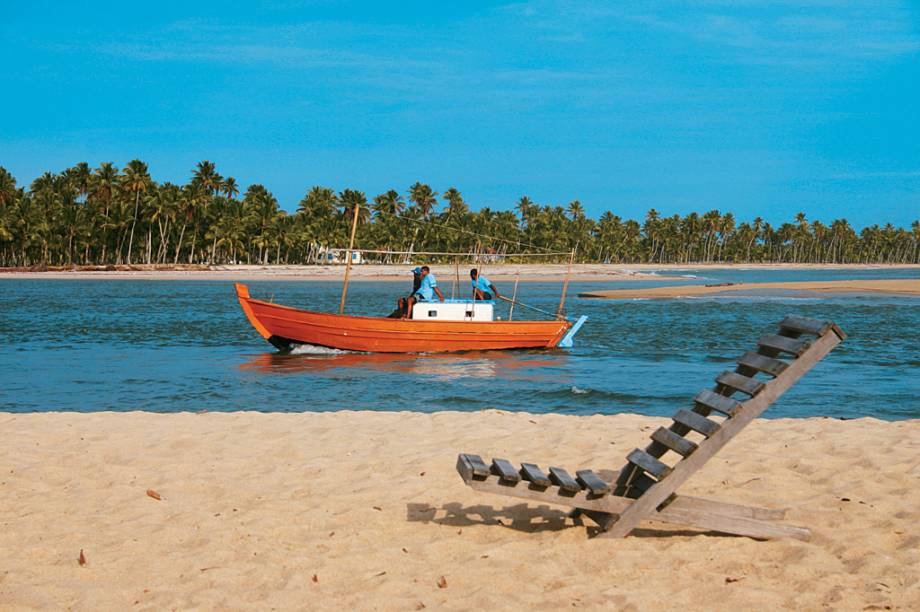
426 290
483 289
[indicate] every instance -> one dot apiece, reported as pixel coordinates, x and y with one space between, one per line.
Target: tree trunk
137 201
179 245
121 243
191 251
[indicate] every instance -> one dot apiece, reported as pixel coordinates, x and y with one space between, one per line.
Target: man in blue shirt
426 290
402 304
483 289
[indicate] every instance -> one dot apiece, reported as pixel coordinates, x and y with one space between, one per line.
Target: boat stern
568 340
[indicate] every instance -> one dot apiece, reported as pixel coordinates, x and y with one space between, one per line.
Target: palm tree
82 176
524 207
455 203
229 188
102 191
915 239
281 233
261 208
726 229
350 198
206 177
27 226
189 197
319 202
424 198
7 187
8 196
800 236
388 224
576 210
6 224
164 207
317 220
136 180
755 235
231 230
389 203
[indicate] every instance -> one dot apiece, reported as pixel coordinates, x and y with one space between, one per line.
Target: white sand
255 505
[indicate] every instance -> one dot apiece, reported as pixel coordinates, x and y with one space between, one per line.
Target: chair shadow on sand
525 518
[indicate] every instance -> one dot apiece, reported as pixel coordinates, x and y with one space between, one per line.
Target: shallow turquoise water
174 346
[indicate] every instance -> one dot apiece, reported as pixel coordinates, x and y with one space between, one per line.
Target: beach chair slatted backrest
645 487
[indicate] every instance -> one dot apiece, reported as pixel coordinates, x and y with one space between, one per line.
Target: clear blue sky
761 108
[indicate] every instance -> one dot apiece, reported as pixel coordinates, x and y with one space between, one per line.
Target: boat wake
312 349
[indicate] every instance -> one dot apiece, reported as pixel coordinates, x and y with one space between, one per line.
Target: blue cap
417 271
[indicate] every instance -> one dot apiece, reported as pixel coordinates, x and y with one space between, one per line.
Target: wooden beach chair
645 488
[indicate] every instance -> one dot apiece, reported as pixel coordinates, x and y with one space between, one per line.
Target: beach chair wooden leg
739 523
735 525
701 504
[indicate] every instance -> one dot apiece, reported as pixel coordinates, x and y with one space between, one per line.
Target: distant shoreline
400 272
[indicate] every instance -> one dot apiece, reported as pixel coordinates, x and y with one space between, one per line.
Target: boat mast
514 296
565 287
351 245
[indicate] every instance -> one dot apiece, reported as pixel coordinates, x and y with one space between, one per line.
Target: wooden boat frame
284 326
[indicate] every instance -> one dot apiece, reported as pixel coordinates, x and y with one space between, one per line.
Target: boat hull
284 326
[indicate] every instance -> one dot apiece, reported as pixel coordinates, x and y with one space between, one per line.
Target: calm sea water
180 346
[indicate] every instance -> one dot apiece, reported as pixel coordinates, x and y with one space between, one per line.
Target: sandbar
902 286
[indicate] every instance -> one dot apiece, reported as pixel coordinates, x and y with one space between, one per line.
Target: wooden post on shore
351 245
565 287
456 285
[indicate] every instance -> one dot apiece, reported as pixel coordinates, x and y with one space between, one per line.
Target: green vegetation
107 216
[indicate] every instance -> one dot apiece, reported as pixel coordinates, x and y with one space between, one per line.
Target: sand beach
335 273
534 272
362 510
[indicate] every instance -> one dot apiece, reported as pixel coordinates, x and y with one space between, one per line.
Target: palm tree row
107 215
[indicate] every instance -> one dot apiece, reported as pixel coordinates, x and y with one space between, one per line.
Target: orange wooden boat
284 327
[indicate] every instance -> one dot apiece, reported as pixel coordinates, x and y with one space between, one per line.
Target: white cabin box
454 310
